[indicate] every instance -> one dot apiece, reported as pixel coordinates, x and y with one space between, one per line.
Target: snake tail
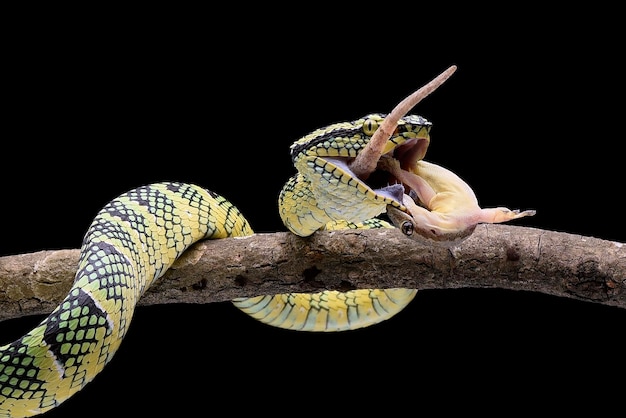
132 241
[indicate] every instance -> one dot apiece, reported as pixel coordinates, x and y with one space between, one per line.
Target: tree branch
495 256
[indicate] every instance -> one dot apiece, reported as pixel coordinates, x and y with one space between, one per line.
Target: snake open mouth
366 166
407 154
386 180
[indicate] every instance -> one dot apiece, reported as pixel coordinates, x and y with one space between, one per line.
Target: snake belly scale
136 237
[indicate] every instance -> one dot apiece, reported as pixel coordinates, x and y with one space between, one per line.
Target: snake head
326 189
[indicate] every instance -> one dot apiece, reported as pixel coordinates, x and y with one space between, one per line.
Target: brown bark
495 256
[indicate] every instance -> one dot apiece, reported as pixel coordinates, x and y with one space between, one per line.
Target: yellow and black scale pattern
136 237
324 191
324 194
132 241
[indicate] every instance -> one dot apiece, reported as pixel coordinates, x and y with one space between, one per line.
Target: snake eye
407 228
370 126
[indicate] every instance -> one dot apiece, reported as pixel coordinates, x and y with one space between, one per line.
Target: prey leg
498 215
425 193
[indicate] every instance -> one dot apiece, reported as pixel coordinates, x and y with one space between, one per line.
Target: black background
531 119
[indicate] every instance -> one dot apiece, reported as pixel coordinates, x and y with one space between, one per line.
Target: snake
136 237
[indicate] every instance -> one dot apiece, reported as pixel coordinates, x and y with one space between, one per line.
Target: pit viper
136 237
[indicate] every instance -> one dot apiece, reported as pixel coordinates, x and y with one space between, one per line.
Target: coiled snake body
132 241
136 237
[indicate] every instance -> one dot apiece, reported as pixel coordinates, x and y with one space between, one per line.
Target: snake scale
137 236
